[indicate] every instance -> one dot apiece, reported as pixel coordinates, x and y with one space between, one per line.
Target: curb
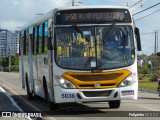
148 91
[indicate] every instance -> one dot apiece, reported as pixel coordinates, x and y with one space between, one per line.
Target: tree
142 56
5 62
158 53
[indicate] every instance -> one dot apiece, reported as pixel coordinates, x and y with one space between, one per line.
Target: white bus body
54 74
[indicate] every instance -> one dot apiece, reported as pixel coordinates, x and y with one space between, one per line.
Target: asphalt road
148 104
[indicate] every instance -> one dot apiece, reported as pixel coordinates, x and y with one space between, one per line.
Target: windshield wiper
108 32
79 31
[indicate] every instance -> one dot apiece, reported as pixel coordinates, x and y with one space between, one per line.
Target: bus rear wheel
114 104
29 94
45 89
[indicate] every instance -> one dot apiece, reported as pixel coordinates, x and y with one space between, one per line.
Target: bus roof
91 7
50 13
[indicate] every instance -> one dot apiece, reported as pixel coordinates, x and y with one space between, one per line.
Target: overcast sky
15 13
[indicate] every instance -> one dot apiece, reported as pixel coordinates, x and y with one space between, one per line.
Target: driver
111 42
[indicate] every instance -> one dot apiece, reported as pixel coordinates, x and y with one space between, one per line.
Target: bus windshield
92 47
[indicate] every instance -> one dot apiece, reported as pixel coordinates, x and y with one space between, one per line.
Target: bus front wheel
114 104
53 106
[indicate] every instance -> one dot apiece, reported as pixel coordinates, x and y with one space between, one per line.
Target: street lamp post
72 2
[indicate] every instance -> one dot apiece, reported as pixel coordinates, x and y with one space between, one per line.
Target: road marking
148 108
34 107
11 99
13 102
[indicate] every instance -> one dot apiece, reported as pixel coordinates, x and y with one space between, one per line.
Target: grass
146 84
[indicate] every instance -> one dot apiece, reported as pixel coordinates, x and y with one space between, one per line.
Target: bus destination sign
92 16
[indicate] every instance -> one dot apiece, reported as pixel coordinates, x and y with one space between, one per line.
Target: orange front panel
88 80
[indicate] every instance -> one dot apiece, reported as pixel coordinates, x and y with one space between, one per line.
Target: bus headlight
65 83
127 81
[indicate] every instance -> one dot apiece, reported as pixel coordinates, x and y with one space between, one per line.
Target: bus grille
88 80
97 77
92 85
97 93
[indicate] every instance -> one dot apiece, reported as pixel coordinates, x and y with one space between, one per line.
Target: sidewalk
8 105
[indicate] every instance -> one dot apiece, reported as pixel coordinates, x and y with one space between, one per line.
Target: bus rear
94 55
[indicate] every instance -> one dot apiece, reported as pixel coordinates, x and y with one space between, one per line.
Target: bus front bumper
93 95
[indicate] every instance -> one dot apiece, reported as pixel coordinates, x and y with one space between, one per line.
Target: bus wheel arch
46 95
29 94
52 105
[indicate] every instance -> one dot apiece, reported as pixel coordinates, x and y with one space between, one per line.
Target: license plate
128 92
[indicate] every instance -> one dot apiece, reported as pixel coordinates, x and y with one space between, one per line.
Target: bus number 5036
67 95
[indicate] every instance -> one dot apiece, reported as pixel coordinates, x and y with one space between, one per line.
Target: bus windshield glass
85 48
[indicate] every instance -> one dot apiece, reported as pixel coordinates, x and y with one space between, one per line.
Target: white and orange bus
81 54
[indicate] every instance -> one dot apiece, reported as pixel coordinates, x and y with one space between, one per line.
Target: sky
15 13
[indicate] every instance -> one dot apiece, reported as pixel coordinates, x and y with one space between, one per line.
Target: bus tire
29 94
34 96
45 89
114 104
53 106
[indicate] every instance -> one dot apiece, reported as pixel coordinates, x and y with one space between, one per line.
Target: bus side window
40 39
37 40
33 39
27 42
43 42
24 43
45 37
50 35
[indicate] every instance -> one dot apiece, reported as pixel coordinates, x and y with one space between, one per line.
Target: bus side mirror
138 39
49 43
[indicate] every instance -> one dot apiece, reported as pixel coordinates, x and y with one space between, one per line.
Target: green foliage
14 60
144 70
15 68
148 85
142 56
4 64
156 72
158 53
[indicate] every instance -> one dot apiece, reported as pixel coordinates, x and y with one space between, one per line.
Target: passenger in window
77 47
59 49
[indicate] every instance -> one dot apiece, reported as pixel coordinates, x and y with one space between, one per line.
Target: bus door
50 57
42 60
